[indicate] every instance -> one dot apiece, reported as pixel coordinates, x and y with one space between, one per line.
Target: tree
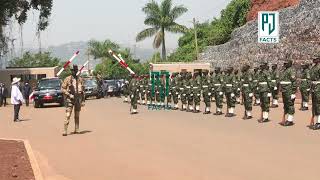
18 10
216 32
161 18
35 60
109 67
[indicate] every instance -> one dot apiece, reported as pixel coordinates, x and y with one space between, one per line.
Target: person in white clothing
16 98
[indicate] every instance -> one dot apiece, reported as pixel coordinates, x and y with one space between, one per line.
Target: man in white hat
16 98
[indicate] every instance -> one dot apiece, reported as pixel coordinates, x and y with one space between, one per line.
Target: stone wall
299 40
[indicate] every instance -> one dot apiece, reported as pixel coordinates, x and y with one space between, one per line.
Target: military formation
226 88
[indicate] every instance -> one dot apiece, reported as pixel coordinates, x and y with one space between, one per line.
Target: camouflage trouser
149 95
134 100
288 103
143 94
158 98
305 94
315 103
275 93
247 99
175 96
197 97
256 93
206 98
169 97
231 99
219 99
184 97
265 101
69 109
190 99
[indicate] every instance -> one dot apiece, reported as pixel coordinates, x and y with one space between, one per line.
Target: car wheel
35 104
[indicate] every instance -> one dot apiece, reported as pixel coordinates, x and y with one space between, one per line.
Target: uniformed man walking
206 91
229 90
315 93
288 88
264 80
72 89
247 93
175 90
255 86
183 90
305 86
190 95
237 86
217 83
274 85
134 94
196 86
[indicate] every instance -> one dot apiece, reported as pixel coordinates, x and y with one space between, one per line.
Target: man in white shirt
16 98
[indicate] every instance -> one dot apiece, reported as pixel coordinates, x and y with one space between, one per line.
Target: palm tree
161 18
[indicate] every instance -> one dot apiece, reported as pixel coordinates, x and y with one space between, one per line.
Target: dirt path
163 145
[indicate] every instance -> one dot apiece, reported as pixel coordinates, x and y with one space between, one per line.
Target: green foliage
109 67
161 18
214 33
18 9
35 60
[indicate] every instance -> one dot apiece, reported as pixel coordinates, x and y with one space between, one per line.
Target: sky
118 20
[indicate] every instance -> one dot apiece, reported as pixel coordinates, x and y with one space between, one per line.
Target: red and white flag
68 62
121 61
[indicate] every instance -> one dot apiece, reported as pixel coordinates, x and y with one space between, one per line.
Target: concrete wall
7 74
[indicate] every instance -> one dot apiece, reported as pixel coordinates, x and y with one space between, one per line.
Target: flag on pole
68 62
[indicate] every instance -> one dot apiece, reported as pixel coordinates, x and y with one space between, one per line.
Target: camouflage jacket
315 78
288 80
305 82
68 89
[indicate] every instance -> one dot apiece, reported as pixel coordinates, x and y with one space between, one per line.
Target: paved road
163 145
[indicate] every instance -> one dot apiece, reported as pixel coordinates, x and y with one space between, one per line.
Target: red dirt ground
14 161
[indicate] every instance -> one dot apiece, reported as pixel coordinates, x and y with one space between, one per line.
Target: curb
34 164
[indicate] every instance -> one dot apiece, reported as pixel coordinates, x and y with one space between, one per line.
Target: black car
92 89
112 87
48 90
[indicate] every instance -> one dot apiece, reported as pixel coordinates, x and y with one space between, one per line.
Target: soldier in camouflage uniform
143 89
206 91
134 94
237 86
190 95
247 91
196 87
169 89
274 85
229 89
72 89
148 87
255 86
217 83
288 88
264 80
305 86
175 90
212 98
315 93
183 90
126 91
138 80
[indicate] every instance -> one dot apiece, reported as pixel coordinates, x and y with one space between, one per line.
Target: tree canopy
35 60
212 33
161 17
18 10
109 67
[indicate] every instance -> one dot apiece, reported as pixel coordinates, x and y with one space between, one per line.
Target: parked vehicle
48 90
111 88
92 89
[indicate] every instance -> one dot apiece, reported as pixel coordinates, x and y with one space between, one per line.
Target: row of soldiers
255 88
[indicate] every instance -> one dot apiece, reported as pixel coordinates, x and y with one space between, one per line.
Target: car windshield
90 83
110 83
49 84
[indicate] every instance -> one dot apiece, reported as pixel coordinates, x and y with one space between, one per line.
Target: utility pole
195 36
